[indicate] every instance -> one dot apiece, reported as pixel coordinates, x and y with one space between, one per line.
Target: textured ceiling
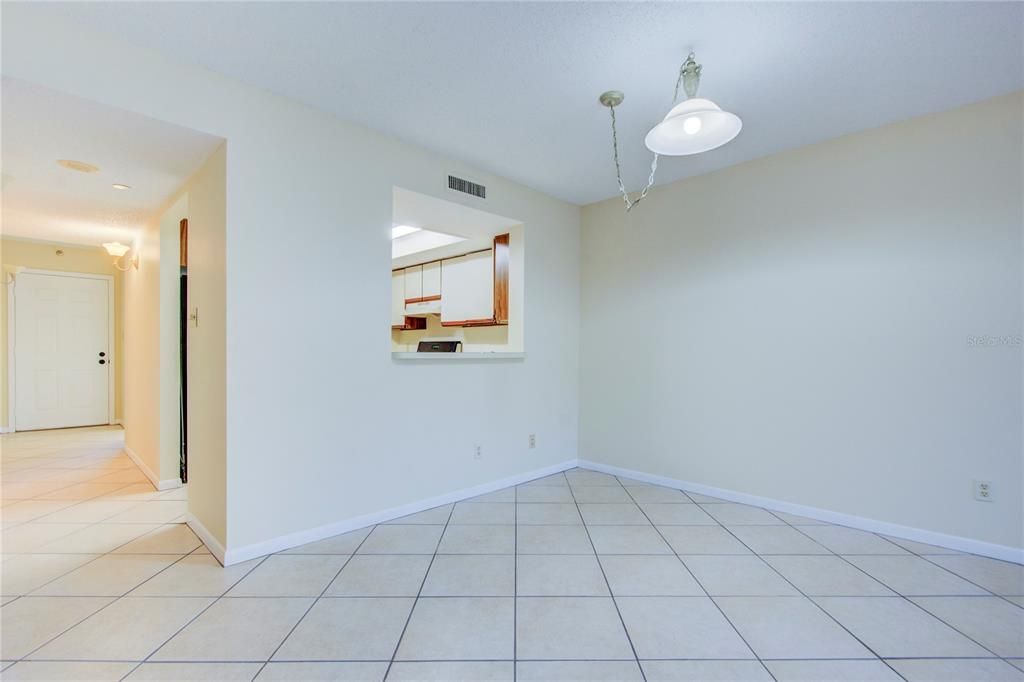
512 87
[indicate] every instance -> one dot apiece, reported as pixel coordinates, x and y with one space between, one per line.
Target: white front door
61 350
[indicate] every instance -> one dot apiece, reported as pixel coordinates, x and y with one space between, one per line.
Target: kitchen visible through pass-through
456 280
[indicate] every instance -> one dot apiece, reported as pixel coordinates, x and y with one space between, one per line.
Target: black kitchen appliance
439 347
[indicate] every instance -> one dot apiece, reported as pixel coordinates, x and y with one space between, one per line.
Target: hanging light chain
618 170
690 71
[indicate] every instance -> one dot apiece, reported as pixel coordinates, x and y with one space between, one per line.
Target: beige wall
800 327
151 346
92 260
141 335
153 363
208 486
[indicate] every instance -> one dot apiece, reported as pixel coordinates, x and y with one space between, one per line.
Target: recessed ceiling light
80 166
402 230
118 185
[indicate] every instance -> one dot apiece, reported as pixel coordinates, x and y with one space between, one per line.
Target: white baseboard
166 484
228 557
237 555
216 549
6 429
1004 552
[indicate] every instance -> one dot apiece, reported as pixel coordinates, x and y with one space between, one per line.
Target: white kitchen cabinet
414 282
431 279
398 298
467 289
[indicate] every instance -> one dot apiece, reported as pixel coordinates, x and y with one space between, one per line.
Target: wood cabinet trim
183 243
501 268
411 324
423 299
484 322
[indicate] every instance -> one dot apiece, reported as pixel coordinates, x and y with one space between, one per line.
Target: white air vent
461 185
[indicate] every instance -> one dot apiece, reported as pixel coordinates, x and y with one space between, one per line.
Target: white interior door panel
62 351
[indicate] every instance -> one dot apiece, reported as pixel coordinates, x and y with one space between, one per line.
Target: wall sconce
119 251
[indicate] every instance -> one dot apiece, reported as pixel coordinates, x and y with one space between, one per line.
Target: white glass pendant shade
116 249
693 126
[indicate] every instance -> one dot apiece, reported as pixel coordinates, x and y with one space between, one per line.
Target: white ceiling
512 87
44 201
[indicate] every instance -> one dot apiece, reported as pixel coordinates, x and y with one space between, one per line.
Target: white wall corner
962 544
212 544
165 484
240 554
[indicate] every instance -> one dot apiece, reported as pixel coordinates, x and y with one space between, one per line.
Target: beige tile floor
578 576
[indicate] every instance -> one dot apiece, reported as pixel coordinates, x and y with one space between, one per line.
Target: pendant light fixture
693 126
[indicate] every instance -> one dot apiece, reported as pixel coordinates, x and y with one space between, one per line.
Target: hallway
82 526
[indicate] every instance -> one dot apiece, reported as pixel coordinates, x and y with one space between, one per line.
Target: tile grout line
899 595
515 582
113 601
87 526
615 603
98 556
903 552
801 592
700 584
106 554
416 600
954 573
64 631
193 618
40 497
499 595
315 601
994 594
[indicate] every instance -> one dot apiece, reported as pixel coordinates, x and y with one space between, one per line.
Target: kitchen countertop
458 356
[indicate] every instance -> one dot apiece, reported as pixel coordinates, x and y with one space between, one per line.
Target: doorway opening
183 350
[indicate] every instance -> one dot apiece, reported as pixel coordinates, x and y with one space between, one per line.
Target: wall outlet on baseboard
983 491
533 440
478 452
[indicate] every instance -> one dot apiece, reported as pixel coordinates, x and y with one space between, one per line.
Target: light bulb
691 126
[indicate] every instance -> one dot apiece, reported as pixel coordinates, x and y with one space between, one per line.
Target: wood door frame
12 283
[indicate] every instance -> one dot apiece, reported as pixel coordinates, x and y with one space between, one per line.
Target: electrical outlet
983 491
478 452
533 440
